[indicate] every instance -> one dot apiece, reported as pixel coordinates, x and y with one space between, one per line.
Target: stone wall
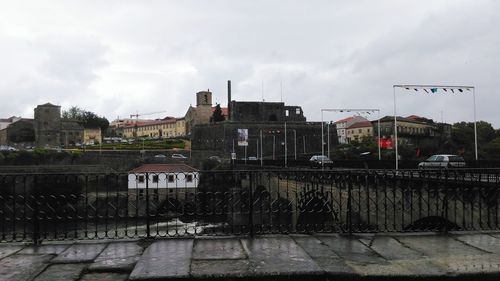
302 139
265 111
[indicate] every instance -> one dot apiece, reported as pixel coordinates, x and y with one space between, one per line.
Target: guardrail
360 164
35 207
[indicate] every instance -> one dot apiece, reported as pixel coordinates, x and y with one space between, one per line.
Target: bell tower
204 98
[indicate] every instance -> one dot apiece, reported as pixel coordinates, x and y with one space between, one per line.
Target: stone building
168 127
243 111
343 124
19 133
411 129
47 125
358 131
92 135
5 122
202 113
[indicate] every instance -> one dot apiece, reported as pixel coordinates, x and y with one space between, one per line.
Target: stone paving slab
439 246
118 256
22 267
469 264
217 249
351 249
79 253
45 249
279 256
66 272
108 276
390 248
204 269
323 255
485 242
164 259
7 249
217 258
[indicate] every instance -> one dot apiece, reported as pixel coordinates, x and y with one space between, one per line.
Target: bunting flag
435 90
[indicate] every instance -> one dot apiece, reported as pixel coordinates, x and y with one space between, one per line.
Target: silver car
442 161
178 156
320 161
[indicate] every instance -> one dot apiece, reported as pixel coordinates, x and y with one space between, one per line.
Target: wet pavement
454 256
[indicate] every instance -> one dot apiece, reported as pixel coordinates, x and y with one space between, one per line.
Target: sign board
242 137
385 143
233 156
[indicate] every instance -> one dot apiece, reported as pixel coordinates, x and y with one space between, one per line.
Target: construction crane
144 114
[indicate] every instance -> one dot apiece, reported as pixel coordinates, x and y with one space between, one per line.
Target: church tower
204 98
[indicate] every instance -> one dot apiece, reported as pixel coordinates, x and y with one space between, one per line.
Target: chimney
229 100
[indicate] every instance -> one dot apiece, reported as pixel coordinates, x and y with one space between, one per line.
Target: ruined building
274 130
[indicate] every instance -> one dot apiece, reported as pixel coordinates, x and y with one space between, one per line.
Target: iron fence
35 207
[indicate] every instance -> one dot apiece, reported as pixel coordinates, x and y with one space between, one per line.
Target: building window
287 112
170 178
189 178
297 111
155 178
140 179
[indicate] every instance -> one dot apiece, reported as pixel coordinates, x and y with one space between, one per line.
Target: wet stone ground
274 257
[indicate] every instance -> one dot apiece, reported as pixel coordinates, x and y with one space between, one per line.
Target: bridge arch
436 223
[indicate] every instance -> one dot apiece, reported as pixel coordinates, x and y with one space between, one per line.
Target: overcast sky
116 58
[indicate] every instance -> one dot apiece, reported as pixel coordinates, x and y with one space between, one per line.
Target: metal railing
35 207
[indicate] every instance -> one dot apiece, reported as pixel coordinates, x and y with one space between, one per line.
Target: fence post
148 230
36 222
349 205
250 204
445 202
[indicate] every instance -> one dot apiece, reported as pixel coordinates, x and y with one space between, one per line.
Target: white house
159 176
345 123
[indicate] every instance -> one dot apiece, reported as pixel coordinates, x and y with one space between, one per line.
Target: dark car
442 161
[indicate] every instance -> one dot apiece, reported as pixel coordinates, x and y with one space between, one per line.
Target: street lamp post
295 143
274 147
261 154
328 138
286 149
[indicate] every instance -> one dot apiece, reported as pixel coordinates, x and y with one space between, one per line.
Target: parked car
320 161
178 156
215 159
7 148
442 161
252 158
160 156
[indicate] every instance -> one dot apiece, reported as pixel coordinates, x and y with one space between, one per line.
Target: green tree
217 116
88 119
491 150
462 135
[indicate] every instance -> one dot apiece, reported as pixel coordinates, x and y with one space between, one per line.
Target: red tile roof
364 124
344 120
223 109
163 168
413 117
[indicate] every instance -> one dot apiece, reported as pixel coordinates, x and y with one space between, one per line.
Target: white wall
180 180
